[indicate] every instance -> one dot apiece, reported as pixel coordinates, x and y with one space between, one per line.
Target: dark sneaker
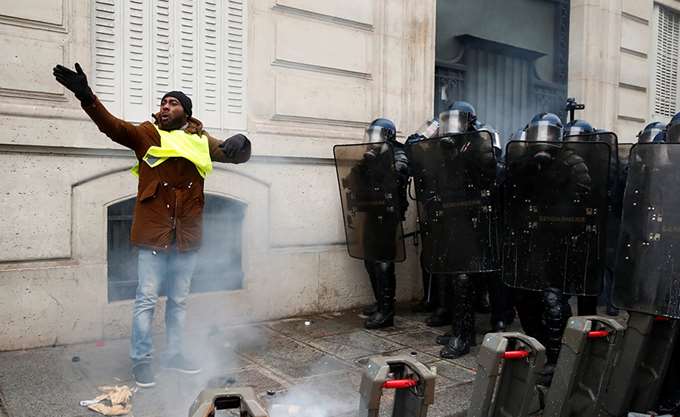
143 375
181 364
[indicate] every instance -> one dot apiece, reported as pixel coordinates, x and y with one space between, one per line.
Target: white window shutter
666 82
107 54
209 69
163 76
235 61
145 48
185 47
136 70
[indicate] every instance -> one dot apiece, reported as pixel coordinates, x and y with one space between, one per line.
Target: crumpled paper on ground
114 401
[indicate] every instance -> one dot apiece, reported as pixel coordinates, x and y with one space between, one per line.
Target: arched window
219 259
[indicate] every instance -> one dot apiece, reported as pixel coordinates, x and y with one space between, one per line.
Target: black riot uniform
454 176
380 267
460 117
547 186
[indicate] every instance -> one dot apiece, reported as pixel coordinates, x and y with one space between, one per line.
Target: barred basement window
219 259
666 91
145 48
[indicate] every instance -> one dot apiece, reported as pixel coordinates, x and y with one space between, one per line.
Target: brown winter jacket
169 207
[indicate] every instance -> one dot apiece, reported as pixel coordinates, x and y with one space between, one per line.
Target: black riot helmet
650 132
495 137
381 130
673 129
577 127
544 127
459 118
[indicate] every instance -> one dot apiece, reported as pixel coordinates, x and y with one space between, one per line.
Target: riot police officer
460 117
478 162
580 130
381 272
544 181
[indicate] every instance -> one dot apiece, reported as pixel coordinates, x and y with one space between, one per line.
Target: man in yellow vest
174 156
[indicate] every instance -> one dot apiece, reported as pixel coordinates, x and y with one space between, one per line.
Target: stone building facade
297 76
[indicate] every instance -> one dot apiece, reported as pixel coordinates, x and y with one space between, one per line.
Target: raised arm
118 130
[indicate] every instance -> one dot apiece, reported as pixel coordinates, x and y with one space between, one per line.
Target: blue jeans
155 269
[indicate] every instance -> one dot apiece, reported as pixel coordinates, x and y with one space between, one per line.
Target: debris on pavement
114 401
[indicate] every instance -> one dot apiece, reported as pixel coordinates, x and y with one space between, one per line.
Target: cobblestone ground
309 365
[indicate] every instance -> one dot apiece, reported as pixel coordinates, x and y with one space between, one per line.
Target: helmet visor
428 129
454 121
673 134
544 132
574 130
375 134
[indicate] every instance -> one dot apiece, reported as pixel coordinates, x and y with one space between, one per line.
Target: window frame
653 56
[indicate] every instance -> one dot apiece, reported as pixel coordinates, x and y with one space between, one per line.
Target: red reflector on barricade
515 354
597 334
400 383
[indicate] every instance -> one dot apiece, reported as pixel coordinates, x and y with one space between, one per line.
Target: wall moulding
322 17
44 15
32 95
320 121
320 69
32 24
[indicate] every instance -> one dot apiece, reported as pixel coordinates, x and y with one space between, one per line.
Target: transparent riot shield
454 178
647 278
555 216
370 195
615 185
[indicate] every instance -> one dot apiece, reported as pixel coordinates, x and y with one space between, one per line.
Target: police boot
482 303
384 317
442 314
669 403
463 327
502 312
529 307
371 308
427 303
443 339
556 312
607 294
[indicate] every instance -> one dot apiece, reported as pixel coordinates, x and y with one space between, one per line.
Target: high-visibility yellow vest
179 144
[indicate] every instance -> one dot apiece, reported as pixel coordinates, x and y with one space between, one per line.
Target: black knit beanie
183 99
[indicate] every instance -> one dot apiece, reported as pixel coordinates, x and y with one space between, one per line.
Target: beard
171 123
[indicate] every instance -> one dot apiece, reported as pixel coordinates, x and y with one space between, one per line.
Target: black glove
76 82
233 145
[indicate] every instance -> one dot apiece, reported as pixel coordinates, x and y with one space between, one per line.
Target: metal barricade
641 367
509 365
413 382
590 347
241 398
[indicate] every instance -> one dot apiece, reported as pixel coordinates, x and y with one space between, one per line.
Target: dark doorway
507 58
219 260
